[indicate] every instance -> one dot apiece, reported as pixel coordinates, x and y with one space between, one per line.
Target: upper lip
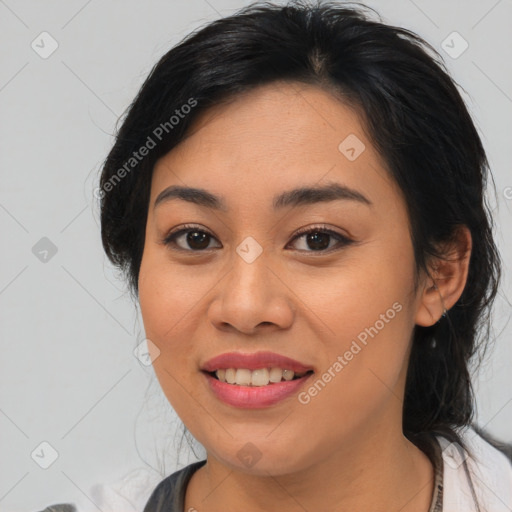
253 361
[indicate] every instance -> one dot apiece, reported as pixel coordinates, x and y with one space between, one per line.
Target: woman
297 197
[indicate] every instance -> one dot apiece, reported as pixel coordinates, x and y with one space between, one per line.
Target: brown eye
190 239
197 239
318 239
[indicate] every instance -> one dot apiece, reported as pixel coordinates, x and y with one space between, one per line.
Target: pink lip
254 361
254 397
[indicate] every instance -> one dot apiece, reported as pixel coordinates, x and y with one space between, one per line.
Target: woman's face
241 281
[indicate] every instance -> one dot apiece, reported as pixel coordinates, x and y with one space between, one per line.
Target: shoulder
504 448
128 493
483 473
169 494
141 490
62 507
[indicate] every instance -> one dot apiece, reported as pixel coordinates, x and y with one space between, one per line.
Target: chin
262 458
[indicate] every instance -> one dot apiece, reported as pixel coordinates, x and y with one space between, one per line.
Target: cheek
164 303
355 296
367 320
167 294
166 310
172 302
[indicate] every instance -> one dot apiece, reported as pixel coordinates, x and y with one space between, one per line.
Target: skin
345 449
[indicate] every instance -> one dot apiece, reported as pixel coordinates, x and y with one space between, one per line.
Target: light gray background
68 329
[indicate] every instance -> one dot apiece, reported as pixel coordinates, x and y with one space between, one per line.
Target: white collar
488 476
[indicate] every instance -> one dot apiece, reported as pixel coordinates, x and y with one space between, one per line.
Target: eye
198 240
319 238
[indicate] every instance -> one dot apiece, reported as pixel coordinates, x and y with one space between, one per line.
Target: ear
449 275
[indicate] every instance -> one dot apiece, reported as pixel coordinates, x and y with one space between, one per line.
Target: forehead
273 137
267 121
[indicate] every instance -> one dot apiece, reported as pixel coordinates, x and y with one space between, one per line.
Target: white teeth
230 375
288 374
259 377
243 377
276 374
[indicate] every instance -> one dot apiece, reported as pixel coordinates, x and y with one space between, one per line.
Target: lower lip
254 397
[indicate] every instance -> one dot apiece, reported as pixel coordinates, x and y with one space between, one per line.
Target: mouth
256 378
244 394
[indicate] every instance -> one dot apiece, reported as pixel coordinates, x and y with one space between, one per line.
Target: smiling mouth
256 378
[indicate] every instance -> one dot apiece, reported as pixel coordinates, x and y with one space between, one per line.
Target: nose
251 297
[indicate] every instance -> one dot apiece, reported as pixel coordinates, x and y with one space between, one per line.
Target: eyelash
343 241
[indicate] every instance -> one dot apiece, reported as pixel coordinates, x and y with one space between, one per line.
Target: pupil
313 240
196 239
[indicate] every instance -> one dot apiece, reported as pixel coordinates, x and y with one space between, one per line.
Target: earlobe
449 275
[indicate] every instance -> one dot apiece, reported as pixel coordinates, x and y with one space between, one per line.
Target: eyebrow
291 198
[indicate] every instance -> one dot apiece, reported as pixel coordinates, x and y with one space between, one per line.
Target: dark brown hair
413 114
